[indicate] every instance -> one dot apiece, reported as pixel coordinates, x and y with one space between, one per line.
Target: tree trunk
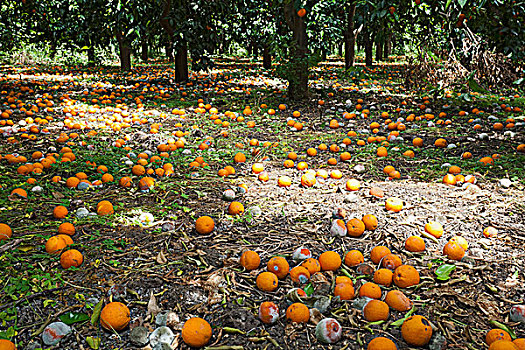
379 51
144 50
91 56
267 57
125 52
255 50
165 24
53 50
298 76
324 54
169 51
368 41
181 64
350 37
388 46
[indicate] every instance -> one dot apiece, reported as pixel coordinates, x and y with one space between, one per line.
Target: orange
196 332
382 152
417 142
56 243
114 316
503 345
66 228
497 334
376 310
383 277
7 345
257 168
353 185
398 301
60 212
250 260
284 181
308 180
354 258
370 290
381 343
279 266
344 288
312 265
519 343
329 261
239 158
204 225
453 251
267 281
415 244
406 276
298 312
5 232
416 330
378 252
71 258
105 208
370 222
235 208
355 227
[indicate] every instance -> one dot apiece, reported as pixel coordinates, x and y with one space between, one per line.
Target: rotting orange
268 312
434 228
416 330
394 204
300 274
391 261
312 265
497 334
370 222
279 266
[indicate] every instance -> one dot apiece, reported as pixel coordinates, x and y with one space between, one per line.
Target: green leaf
448 4
96 312
443 272
73 317
309 290
519 81
462 3
474 86
94 343
401 320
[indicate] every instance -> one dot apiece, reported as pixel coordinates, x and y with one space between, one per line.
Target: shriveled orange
406 276
383 277
250 260
376 310
434 228
398 301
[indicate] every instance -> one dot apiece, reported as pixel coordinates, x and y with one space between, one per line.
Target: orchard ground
149 246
